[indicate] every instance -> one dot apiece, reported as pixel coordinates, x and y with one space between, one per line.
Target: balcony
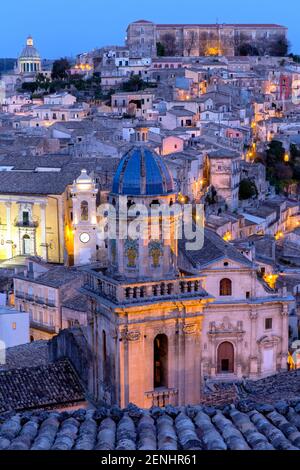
42 326
26 223
182 287
29 297
35 299
50 303
163 396
19 294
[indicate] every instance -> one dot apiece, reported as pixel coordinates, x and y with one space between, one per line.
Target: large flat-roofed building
14 329
205 39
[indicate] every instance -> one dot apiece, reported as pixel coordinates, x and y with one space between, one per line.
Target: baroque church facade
162 319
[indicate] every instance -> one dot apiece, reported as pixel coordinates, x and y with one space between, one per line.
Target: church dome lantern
29 60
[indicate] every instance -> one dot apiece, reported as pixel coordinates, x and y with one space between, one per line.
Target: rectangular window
14 326
268 323
25 218
51 297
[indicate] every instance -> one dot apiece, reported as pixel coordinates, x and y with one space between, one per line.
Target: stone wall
72 343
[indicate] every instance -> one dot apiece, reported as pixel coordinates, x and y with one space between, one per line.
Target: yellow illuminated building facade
36 226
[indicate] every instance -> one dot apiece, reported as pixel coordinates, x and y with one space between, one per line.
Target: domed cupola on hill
29 60
143 178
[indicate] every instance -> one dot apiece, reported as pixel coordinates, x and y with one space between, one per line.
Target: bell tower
83 195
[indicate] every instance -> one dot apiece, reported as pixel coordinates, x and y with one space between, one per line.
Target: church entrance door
26 245
225 358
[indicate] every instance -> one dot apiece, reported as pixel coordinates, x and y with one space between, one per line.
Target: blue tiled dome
142 172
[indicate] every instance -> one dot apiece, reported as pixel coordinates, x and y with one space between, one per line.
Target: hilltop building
201 39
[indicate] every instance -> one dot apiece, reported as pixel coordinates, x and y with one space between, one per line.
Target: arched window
105 358
84 209
104 350
225 287
160 361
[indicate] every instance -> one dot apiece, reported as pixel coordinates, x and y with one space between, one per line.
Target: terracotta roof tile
37 387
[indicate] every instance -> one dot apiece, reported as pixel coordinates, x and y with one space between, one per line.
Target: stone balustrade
162 396
136 292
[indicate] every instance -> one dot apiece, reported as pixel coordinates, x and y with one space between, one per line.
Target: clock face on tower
84 237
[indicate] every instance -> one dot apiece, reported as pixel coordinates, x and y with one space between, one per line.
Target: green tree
247 189
160 49
29 86
295 57
211 196
275 152
280 47
247 49
135 83
280 172
42 81
60 69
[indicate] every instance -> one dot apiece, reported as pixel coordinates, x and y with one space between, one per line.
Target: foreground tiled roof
263 427
26 355
270 389
48 385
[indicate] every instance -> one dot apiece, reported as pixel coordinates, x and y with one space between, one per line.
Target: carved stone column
132 378
192 370
285 335
253 366
181 362
239 345
214 366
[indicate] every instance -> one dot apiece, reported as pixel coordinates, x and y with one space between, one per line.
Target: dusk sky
67 27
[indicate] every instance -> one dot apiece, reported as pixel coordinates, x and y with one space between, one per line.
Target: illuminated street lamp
271 279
